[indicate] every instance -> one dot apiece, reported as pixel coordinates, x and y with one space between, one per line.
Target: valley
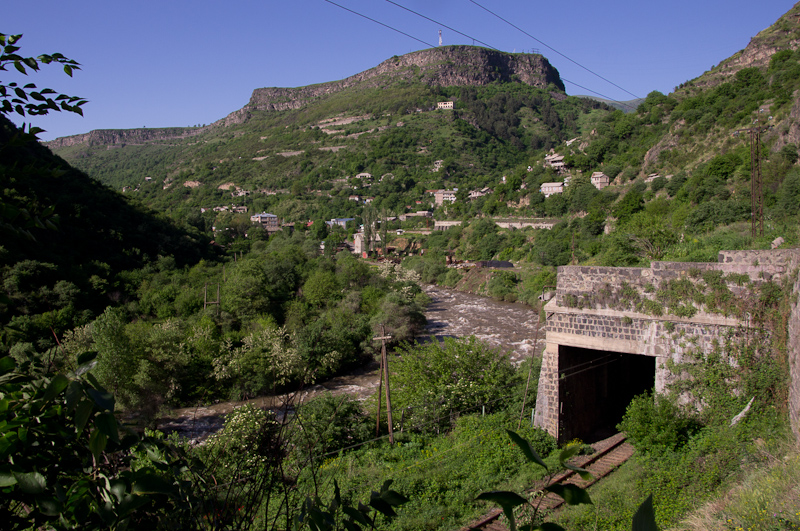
508 327
207 280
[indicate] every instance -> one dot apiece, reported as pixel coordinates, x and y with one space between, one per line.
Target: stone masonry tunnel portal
596 387
610 337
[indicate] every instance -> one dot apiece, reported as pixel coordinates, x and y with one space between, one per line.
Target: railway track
609 454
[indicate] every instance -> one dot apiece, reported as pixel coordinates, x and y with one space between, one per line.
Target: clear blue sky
178 63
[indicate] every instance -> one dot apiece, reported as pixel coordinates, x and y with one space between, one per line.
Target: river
509 327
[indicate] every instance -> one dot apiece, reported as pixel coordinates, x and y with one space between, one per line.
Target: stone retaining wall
664 337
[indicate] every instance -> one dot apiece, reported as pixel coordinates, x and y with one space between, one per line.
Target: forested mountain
297 152
305 141
63 276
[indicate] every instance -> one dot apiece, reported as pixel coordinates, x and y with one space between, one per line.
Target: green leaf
568 452
356 515
382 507
351 526
130 503
30 482
8 444
527 449
505 499
645 517
97 443
107 424
68 70
103 399
85 408
393 498
337 498
7 364
118 488
57 384
83 357
73 394
7 479
49 506
582 472
572 494
146 483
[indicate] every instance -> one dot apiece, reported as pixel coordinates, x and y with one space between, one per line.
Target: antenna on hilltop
440 37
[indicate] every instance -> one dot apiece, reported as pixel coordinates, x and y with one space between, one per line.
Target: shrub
330 423
439 381
656 425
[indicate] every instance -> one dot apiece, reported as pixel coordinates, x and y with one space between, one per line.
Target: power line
556 51
443 25
609 98
382 24
631 107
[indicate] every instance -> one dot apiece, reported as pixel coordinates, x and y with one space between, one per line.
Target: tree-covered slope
71 271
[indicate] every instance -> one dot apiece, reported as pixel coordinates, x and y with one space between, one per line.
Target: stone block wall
604 328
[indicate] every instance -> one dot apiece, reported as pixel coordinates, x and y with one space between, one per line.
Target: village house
444 105
600 180
549 189
418 213
440 196
268 221
555 161
341 222
474 194
354 197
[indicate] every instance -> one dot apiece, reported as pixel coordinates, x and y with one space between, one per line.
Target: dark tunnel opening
595 388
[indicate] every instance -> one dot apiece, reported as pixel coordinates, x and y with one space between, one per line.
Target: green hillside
301 164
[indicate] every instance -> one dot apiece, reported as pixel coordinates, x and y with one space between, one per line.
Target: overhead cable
443 25
556 51
381 23
485 44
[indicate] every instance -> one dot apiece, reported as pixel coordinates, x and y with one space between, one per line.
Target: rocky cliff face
444 66
783 35
100 137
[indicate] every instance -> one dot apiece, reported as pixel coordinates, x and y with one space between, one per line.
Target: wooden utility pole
384 373
206 302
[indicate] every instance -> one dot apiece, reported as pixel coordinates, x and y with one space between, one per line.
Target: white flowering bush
436 382
245 446
266 360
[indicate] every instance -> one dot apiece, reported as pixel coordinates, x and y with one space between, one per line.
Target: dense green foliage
66 463
435 382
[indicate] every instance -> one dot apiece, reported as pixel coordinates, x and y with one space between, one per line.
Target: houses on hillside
548 189
600 180
555 161
442 196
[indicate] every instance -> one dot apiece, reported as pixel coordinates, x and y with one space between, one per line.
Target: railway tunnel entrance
595 388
